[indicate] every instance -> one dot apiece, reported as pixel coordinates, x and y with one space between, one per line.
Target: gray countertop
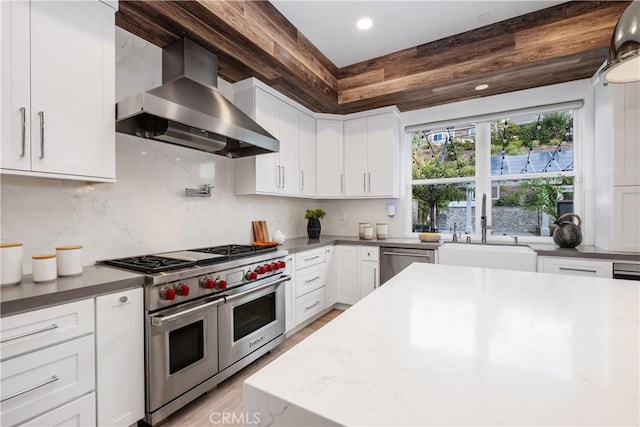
95 280
543 249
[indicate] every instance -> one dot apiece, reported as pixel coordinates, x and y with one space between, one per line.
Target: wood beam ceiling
253 39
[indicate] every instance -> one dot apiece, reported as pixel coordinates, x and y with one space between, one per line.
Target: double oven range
208 313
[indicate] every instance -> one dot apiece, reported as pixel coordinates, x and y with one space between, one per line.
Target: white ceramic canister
382 230
69 260
361 227
368 233
11 263
44 267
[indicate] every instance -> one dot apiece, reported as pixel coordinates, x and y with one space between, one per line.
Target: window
527 168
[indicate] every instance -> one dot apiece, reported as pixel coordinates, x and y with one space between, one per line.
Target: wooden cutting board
260 231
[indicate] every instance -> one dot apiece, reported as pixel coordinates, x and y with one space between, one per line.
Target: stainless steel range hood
189 110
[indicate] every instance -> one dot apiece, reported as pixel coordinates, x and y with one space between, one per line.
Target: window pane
532 144
436 207
444 153
530 207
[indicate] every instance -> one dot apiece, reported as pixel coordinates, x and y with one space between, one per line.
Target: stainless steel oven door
249 320
182 350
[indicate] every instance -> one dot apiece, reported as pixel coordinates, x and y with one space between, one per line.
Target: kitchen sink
490 255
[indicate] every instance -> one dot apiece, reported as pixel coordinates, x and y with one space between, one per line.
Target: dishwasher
393 260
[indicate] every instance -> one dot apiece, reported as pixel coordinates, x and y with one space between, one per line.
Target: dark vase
313 228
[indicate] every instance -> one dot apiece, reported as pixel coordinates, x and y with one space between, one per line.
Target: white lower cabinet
39 381
575 266
368 269
308 288
120 358
80 412
289 313
330 277
309 305
347 265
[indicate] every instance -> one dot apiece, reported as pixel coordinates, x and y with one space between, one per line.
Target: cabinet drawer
368 253
39 381
309 279
309 258
40 328
577 267
309 305
80 412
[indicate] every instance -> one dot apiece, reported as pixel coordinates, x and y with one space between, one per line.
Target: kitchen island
445 345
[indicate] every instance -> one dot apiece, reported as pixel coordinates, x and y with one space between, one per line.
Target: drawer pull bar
312 258
312 305
49 381
312 280
577 269
26 334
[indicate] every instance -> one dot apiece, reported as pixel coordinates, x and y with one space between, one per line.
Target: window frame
483 180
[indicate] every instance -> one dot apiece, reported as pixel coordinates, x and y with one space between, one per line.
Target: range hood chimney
188 109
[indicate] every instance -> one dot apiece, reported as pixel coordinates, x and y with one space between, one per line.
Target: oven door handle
257 288
163 320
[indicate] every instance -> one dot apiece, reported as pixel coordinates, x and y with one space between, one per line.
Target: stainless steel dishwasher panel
394 260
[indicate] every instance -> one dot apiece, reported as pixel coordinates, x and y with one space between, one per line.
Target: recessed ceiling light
364 23
482 87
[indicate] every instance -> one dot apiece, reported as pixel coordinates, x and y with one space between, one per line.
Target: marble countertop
443 345
299 244
94 280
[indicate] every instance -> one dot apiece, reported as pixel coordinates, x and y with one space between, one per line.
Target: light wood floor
227 398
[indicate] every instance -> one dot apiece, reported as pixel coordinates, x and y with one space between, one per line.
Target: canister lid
46 256
68 248
10 245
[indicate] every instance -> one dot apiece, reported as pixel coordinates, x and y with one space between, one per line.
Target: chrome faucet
483 219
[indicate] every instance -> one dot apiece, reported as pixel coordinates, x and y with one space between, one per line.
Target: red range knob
183 290
260 270
252 275
274 266
268 267
282 264
207 283
168 294
221 284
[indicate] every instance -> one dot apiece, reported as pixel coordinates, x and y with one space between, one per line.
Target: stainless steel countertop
543 249
95 280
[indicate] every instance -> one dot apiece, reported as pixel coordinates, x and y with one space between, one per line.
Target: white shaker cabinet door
367 277
267 172
355 157
120 358
288 155
307 154
347 263
331 276
330 157
382 155
72 88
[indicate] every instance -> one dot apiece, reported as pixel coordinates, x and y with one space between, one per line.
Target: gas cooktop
168 261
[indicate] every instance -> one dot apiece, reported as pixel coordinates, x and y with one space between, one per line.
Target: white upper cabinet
371 155
307 154
58 89
330 157
276 173
625 133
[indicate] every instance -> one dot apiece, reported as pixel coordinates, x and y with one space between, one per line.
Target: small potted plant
313 227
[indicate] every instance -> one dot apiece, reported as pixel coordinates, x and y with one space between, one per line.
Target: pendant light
623 64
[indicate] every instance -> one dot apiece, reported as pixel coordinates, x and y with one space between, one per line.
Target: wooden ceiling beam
253 39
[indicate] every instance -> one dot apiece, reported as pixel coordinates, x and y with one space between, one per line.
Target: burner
150 263
234 251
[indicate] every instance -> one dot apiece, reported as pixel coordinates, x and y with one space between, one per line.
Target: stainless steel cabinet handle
302 180
256 289
369 174
23 114
312 258
162 320
279 185
26 334
43 383
577 269
312 280
124 299
284 177
341 183
41 114
375 277
403 254
364 182
312 305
